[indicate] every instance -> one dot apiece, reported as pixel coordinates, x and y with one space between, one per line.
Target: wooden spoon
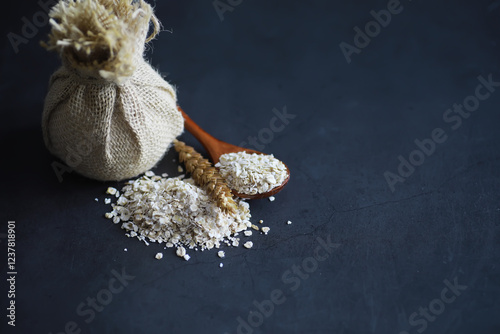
216 148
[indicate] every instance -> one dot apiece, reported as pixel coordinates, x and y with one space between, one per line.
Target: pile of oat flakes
176 212
251 173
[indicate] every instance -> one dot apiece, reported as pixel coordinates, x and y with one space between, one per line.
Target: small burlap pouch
108 114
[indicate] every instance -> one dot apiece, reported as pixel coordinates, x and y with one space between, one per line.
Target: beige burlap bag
108 114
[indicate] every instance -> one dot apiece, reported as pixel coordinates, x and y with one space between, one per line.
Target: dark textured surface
394 252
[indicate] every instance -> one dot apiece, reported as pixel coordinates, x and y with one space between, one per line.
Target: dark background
394 250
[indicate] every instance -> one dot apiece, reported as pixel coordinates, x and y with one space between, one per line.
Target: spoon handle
201 135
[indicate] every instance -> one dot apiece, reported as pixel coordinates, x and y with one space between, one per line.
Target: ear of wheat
206 175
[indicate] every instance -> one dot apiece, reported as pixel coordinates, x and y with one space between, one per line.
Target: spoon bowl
215 148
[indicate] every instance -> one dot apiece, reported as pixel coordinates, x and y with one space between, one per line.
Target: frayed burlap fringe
106 97
101 37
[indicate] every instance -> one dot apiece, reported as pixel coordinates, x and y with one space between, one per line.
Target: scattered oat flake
221 265
248 244
108 215
288 222
111 191
150 174
107 200
186 257
221 254
164 175
159 256
261 221
125 249
181 251
272 198
96 199
179 169
247 233
265 230
255 227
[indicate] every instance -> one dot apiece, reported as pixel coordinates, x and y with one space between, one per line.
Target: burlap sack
107 114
